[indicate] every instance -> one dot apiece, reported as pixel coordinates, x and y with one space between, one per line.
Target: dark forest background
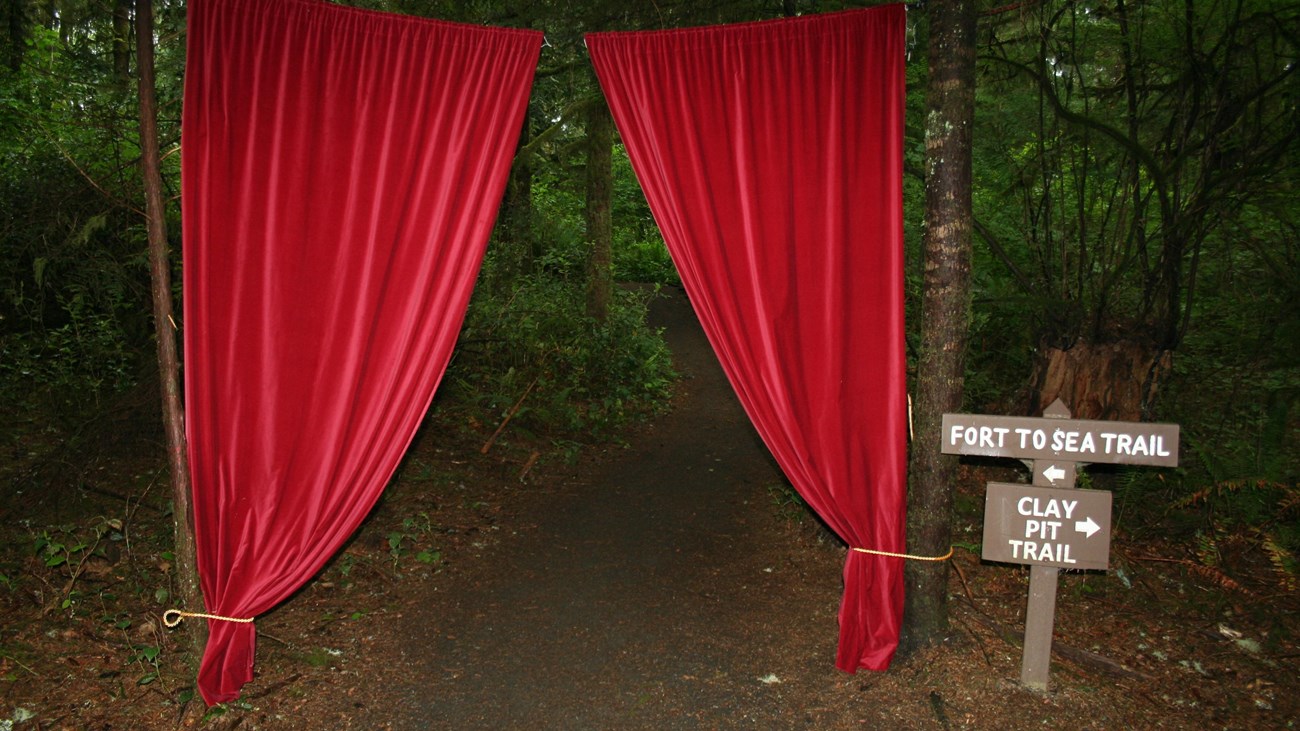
1136 215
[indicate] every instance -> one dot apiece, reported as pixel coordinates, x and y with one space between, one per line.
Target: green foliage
1134 181
1122 158
65 550
68 370
534 347
1075 238
528 353
1235 389
411 540
74 279
318 658
147 658
644 261
1261 514
789 504
639 252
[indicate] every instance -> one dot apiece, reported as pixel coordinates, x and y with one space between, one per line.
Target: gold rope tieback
907 556
173 617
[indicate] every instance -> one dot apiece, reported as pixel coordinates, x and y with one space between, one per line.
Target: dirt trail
657 592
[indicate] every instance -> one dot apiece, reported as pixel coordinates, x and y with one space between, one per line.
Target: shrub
535 348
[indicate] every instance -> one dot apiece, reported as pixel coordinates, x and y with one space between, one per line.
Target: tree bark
517 211
600 230
16 27
186 565
122 39
1111 381
945 312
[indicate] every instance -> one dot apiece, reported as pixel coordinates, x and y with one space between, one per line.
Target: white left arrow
1053 474
1086 527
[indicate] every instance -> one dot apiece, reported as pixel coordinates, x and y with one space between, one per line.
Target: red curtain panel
341 171
771 155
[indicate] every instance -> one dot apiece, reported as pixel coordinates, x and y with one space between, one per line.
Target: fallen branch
1209 573
1098 662
492 439
965 587
19 663
528 466
979 642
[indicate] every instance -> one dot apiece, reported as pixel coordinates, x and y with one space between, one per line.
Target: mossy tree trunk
122 39
516 224
945 312
600 230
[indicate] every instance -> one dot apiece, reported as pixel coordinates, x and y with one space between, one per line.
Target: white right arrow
1053 474
1087 527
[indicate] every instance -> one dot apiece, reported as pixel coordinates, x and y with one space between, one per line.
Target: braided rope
907 556
173 617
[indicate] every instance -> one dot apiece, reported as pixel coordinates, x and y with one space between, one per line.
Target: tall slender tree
600 231
945 310
516 226
168 362
122 39
15 20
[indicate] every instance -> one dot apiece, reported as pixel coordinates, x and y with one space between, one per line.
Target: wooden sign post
1049 525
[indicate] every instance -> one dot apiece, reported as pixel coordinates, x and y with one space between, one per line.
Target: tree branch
578 107
1000 252
1144 156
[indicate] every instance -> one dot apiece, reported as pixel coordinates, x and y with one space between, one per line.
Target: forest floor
670 583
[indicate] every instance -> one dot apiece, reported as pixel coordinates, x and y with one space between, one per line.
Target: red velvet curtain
771 155
341 171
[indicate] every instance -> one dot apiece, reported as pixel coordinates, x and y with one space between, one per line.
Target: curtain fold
341 171
771 156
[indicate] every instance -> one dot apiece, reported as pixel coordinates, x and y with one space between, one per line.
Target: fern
1284 564
1250 513
1290 502
1207 550
1217 577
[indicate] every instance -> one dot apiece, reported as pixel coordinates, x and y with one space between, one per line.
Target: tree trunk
187 576
945 312
1109 381
16 28
516 220
122 39
600 231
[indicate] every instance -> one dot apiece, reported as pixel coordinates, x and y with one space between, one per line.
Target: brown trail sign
1049 525
1062 439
